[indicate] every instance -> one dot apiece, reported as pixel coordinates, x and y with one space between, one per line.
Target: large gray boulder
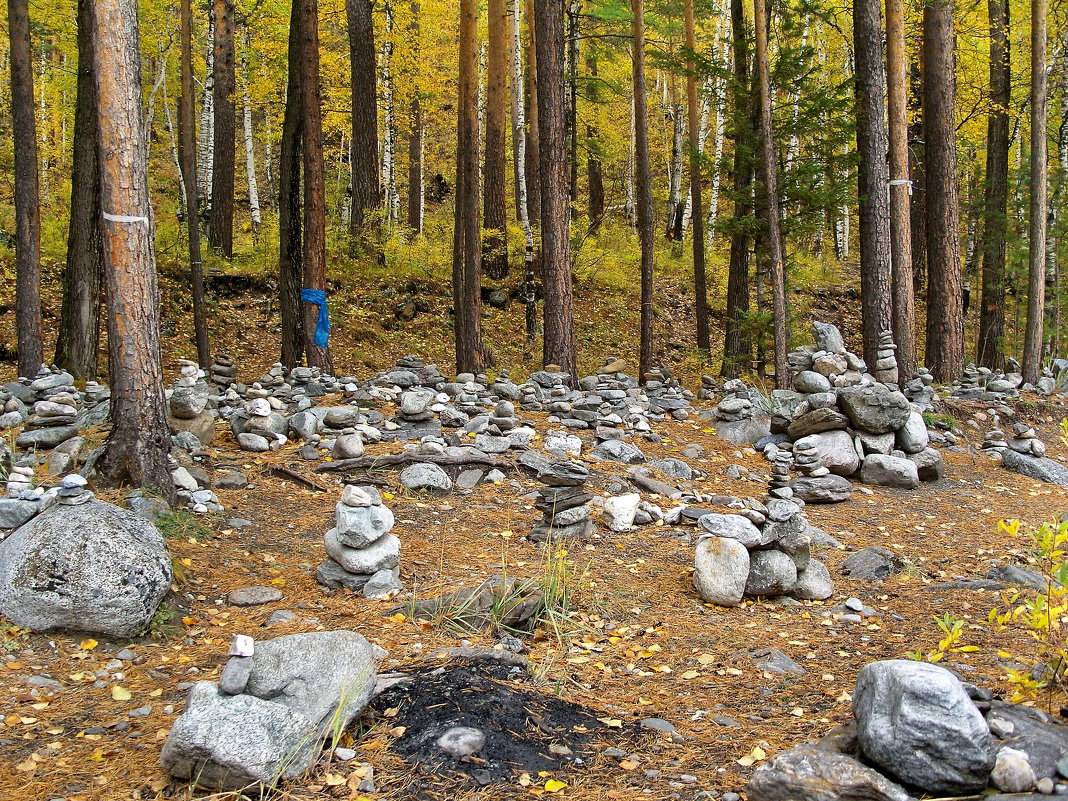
889 471
916 724
289 696
616 450
835 451
805 773
822 489
827 337
230 742
875 408
425 476
93 567
1040 468
721 568
733 527
912 437
771 574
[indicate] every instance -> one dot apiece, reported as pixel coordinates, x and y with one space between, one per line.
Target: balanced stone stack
665 394
845 422
739 558
984 384
261 428
738 419
563 501
1025 454
23 500
709 388
223 372
56 415
415 418
187 407
886 359
363 554
920 390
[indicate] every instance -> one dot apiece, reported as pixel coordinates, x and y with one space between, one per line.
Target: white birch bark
519 133
389 160
250 151
206 134
169 122
150 114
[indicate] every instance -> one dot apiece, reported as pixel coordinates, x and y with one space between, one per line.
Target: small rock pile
738 419
1025 454
919 729
261 428
840 421
758 554
363 554
563 502
187 407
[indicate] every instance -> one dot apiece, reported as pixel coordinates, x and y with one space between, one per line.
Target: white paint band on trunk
123 218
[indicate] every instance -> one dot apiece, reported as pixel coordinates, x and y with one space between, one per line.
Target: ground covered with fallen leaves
642 643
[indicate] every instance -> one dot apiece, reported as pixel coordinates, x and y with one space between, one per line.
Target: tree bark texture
904 303
559 337
221 225
945 328
365 187
188 157
736 343
137 447
531 97
876 298
290 246
1036 252
27 198
467 245
769 195
495 210
314 180
79 327
697 213
644 189
990 350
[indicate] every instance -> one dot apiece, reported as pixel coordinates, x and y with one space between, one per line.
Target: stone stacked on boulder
187 406
363 554
741 416
844 422
709 388
738 557
23 500
920 390
223 371
1024 453
276 703
260 428
984 384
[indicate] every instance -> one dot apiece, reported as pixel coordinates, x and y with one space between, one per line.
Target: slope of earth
75 724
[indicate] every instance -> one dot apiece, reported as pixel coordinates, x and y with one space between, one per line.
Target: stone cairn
1025 453
738 420
187 407
758 553
839 421
363 554
261 429
563 501
223 372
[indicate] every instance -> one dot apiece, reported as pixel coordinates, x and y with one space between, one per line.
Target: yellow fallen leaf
554 786
706 659
690 674
88 644
334 779
612 723
119 693
156 693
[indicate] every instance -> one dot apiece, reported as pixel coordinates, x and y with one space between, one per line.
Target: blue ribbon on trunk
322 326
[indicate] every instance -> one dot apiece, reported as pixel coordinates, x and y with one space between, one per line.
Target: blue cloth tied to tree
322 325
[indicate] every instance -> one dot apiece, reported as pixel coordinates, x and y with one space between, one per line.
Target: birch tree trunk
389 138
699 280
250 146
206 134
519 136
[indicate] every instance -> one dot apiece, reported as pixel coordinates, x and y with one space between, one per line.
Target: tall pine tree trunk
559 338
318 355
1036 258
139 442
221 223
945 297
904 305
643 187
79 328
699 279
990 350
495 210
736 343
187 156
872 179
769 194
365 188
290 246
467 245
27 199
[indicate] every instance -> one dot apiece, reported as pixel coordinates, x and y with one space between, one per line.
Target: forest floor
642 645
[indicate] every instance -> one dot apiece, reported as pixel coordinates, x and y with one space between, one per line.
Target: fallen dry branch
401 459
